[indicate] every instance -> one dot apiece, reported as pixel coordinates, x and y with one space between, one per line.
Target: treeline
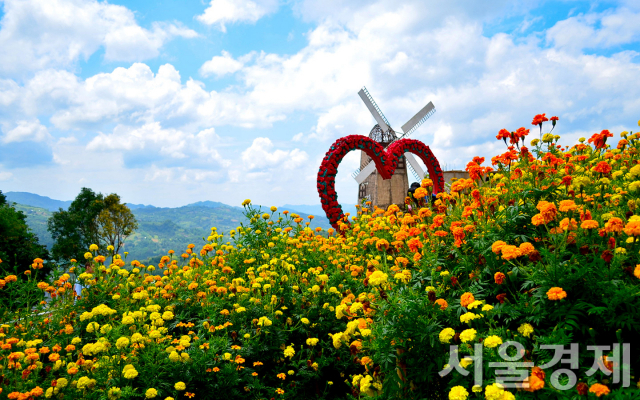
92 218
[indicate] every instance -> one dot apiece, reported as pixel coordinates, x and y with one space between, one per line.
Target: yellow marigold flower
312 341
494 392
468 335
377 278
446 335
476 388
525 330
492 341
458 393
467 317
122 342
556 293
129 372
304 321
180 386
289 351
465 362
487 307
151 393
93 247
246 202
88 255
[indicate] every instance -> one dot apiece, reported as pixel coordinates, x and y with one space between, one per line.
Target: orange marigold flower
466 299
589 224
632 228
537 220
603 167
497 246
382 245
548 210
499 277
567 205
613 225
443 303
526 248
534 383
636 271
568 225
556 293
599 389
441 233
509 252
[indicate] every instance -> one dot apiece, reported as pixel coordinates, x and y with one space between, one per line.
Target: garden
521 282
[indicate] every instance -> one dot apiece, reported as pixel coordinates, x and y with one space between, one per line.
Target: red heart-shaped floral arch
386 163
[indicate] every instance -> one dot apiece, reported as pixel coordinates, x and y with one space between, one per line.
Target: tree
115 222
75 229
19 246
91 218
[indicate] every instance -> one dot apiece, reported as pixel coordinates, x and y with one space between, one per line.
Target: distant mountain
211 204
35 200
316 210
160 229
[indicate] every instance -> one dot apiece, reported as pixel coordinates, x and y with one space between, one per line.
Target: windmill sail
418 119
374 109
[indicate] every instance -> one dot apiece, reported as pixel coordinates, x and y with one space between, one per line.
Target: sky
171 102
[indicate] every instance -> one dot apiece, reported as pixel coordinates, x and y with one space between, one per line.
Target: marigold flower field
539 249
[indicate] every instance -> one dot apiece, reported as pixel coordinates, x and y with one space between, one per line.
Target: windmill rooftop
371 186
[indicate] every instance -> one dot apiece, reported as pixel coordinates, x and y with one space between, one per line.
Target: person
88 267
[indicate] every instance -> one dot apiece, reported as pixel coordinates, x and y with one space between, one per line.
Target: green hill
164 229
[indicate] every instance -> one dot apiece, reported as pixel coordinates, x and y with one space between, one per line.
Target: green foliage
75 229
18 248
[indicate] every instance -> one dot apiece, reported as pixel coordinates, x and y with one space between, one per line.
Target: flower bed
543 252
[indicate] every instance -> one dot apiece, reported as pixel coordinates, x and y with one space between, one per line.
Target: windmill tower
371 187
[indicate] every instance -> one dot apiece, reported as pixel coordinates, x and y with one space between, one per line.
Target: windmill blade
365 172
418 119
416 169
374 109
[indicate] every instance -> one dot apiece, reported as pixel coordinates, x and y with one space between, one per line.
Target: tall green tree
115 222
75 229
19 246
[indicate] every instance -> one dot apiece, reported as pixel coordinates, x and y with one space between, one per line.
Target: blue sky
172 102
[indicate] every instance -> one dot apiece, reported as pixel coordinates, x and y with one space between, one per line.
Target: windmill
371 186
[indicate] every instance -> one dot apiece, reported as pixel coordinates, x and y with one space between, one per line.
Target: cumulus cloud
221 12
38 34
596 30
27 131
151 143
260 156
221 65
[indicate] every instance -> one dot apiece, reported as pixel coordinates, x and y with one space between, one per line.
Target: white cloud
220 65
221 12
38 34
162 143
5 176
596 30
259 156
27 131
